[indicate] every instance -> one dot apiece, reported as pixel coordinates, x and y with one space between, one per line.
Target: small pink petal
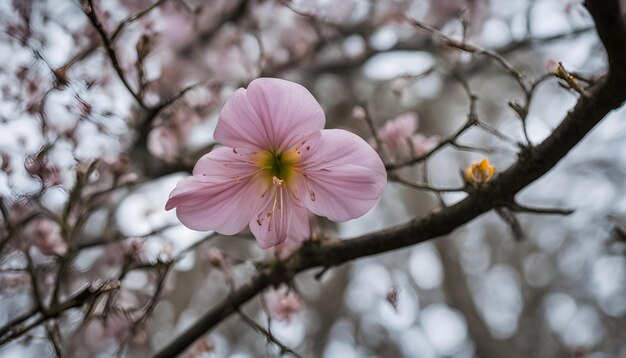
271 113
282 305
344 175
223 200
423 144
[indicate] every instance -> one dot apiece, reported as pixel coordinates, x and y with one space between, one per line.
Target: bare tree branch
108 46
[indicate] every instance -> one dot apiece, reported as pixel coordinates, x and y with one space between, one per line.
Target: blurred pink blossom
423 144
48 239
358 112
10 281
278 164
400 141
175 29
551 64
42 168
200 348
396 132
287 248
215 257
99 332
163 143
398 85
282 304
442 11
233 59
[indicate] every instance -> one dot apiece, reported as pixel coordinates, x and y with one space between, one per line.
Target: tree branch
90 11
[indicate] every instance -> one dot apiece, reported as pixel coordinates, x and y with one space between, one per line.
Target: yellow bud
479 173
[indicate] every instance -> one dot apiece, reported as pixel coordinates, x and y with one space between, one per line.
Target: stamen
269 214
259 219
308 184
277 204
273 205
293 195
299 145
311 192
265 192
277 182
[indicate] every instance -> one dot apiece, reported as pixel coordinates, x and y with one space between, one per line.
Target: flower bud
479 173
215 257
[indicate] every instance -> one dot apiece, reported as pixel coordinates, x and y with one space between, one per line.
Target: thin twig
518 208
136 16
78 300
268 335
519 77
54 336
108 46
422 186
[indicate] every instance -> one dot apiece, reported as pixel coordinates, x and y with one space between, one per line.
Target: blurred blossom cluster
400 141
106 105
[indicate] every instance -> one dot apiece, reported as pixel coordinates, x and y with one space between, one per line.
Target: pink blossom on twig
282 304
400 141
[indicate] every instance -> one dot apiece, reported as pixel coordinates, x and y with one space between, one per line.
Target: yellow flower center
278 165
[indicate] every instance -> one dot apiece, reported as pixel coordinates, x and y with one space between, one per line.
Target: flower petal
223 200
239 125
225 163
344 175
279 219
271 114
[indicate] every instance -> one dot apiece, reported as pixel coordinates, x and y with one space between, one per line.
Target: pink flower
48 239
397 132
277 164
400 141
423 144
282 305
163 143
